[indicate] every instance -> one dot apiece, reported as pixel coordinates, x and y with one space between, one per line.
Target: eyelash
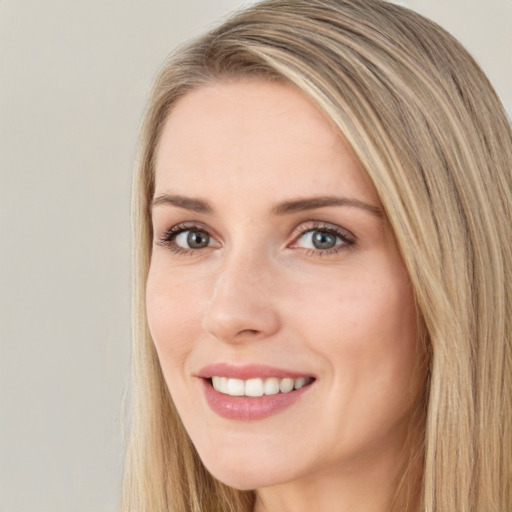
348 239
168 238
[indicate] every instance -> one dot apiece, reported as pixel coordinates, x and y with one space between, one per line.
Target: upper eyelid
168 237
189 226
300 229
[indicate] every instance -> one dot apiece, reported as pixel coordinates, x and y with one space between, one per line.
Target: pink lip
244 408
251 371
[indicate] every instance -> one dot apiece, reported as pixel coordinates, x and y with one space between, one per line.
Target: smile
258 387
254 391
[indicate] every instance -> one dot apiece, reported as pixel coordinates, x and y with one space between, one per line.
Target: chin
246 476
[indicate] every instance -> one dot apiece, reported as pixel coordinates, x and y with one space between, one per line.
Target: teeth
271 386
258 387
235 387
300 383
254 387
286 385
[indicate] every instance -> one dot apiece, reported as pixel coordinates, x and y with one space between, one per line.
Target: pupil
322 240
197 240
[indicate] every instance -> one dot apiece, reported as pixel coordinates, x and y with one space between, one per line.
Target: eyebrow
187 203
286 207
310 203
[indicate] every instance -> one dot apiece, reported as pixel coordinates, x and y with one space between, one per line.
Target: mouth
252 392
258 387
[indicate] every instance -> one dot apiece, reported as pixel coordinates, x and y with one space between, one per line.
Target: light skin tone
271 247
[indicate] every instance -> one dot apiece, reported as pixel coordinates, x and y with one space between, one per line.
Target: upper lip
248 371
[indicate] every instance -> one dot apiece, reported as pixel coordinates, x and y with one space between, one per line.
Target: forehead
258 133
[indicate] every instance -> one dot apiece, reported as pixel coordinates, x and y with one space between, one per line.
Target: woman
323 212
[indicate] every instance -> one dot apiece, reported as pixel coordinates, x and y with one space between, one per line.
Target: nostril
250 332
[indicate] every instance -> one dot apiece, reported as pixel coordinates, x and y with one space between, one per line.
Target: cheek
366 329
368 335
172 314
358 308
386 348
171 317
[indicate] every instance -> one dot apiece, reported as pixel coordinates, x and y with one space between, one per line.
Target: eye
319 240
187 239
192 239
323 239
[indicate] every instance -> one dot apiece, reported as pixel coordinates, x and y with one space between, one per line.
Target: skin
262 293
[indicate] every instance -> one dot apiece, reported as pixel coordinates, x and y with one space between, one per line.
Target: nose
243 306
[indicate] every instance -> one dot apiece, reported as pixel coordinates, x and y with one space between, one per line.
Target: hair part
437 145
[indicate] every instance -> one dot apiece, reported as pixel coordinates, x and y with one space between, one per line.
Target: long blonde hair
436 142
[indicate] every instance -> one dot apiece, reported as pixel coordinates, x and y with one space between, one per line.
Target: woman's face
274 268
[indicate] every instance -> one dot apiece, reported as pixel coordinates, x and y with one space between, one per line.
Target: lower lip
246 408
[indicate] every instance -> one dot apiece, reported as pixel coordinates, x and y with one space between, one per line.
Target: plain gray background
74 78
